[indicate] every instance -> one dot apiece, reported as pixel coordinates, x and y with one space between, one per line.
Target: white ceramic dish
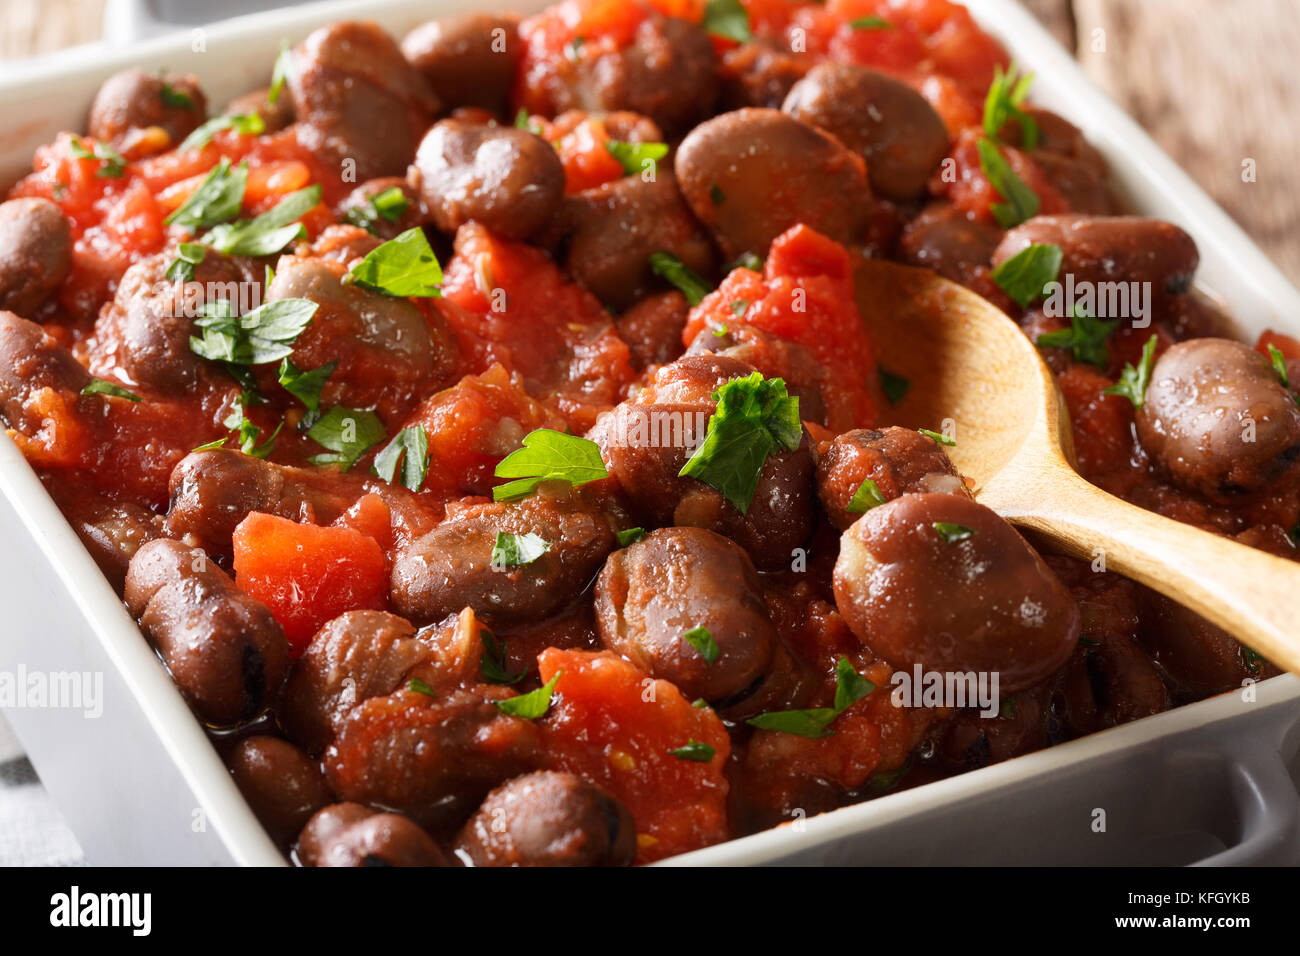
141 784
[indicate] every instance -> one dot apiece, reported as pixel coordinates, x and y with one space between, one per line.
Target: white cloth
32 831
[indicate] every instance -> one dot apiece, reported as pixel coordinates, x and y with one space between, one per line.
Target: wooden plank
1057 16
1214 83
28 27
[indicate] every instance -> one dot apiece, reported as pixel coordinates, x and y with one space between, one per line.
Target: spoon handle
1253 595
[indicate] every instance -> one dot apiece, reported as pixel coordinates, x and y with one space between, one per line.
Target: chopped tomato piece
308 575
1286 344
615 725
581 144
370 516
971 191
1102 424
805 295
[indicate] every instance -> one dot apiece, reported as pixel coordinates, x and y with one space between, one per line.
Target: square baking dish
1212 782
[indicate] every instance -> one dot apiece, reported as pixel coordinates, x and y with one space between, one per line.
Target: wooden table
1211 80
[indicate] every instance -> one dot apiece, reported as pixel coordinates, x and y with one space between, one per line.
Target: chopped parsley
573 49
1024 275
1021 201
747 260
306 386
280 73
248 433
952 533
937 437
390 204
1086 338
700 639
264 335
694 751
517 550
218 198
1006 95
403 267
739 307
410 449
867 496
850 687
524 121
634 156
531 705
727 19
246 124
347 433
188 255
1133 380
267 234
667 266
174 97
492 662
548 455
630 536
98 386
894 386
870 23
420 687
1278 361
111 163
716 194
754 417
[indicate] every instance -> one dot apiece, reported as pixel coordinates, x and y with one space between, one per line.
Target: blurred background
1213 81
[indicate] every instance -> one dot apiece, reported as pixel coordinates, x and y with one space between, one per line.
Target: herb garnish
420 687
630 536
635 156
280 73
403 267
517 550
389 204
1133 381
867 496
188 255
1006 95
754 417
694 751
952 533
306 386
1087 338
894 386
270 232
727 19
937 437
347 433
410 449
531 705
668 266
548 455
218 198
1024 275
1021 202
97 386
492 662
112 164
246 124
870 23
700 639
850 687
264 335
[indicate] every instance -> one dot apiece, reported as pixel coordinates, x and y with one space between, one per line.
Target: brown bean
942 238
31 360
1217 419
469 60
652 328
349 834
35 253
985 603
225 651
752 174
275 116
282 784
883 120
508 179
134 100
548 818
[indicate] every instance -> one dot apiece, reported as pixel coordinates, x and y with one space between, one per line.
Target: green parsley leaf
1086 338
98 386
952 533
720 332
306 386
280 74
630 536
264 335
695 751
516 550
1024 275
1133 382
212 445
405 266
267 234
1253 659
634 157
524 121
739 307
870 23
218 198
389 204
894 386
1021 201
246 124
174 97
699 703
188 255
248 433
850 687
112 164
700 639
532 705
727 19
748 260
1278 361
548 455
492 662
411 448
573 49
754 416
1006 95
867 496
347 433
667 266
937 437
420 687
717 195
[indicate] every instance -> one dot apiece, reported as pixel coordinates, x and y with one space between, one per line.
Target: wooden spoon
973 370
